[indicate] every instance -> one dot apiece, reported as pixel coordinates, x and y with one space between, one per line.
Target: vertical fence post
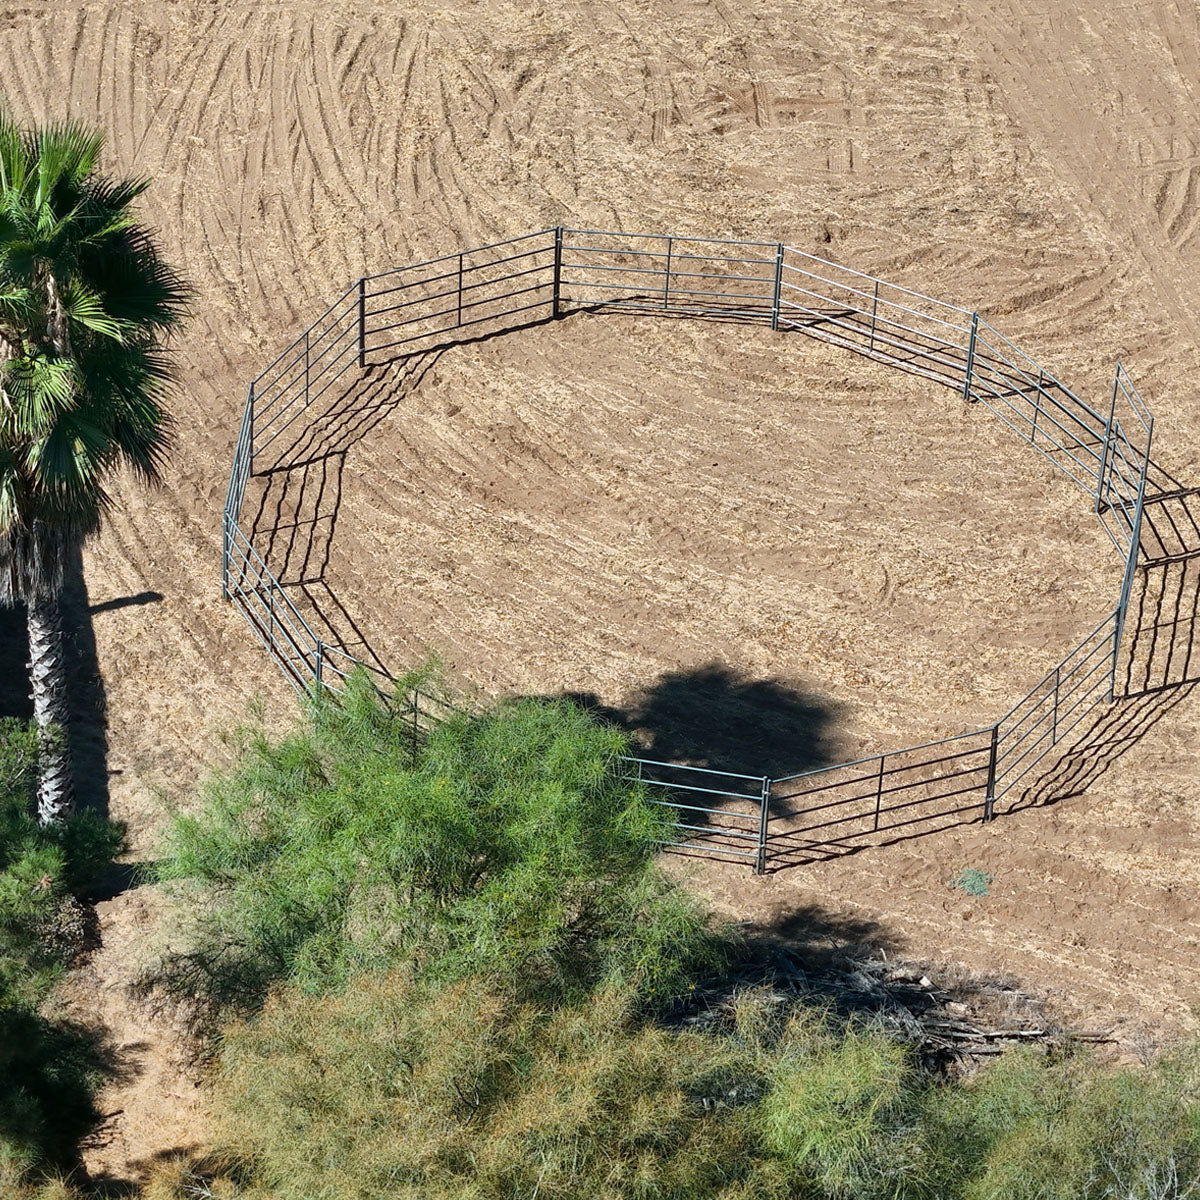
362 323
879 793
1108 428
989 800
1135 549
1054 718
1116 649
226 538
1037 405
460 277
556 302
764 810
667 275
778 286
250 406
971 357
874 311
319 668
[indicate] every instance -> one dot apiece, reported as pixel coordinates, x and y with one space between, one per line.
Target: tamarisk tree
85 305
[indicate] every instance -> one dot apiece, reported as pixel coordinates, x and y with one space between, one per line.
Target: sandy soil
856 545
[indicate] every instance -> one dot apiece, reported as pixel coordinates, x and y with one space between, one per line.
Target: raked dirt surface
622 507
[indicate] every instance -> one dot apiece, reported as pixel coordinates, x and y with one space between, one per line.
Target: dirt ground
639 510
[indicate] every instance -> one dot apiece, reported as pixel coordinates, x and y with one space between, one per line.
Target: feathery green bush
507 843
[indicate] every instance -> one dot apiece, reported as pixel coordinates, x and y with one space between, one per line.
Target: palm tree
85 304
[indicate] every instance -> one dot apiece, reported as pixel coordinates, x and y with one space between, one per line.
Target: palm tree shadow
88 732
15 702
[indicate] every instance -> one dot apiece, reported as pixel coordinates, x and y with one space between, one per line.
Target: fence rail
536 277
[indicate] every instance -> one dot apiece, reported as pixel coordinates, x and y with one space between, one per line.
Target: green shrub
48 1067
398 1089
973 881
505 844
1067 1128
846 1109
459 940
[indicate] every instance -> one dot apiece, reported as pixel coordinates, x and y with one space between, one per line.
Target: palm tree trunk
51 707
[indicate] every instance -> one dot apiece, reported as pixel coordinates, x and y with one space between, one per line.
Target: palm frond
67 153
14 157
72 460
137 285
40 387
114 200
19 308
86 308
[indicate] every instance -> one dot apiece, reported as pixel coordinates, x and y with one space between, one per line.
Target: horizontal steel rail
307 378
522 237
304 350
465 269
461 308
1044 411
876 779
299 342
662 237
868 813
459 325
1060 713
882 344
674 766
544 268
818 330
957 737
880 299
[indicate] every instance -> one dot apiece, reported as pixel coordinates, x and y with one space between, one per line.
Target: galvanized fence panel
886 322
402 314
272 615
315 362
881 798
653 273
1055 706
1035 406
480 290
721 810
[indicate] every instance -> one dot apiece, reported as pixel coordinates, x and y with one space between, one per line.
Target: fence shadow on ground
1159 667
295 520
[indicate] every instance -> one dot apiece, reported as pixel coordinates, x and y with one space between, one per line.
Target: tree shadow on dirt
48 1090
723 719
